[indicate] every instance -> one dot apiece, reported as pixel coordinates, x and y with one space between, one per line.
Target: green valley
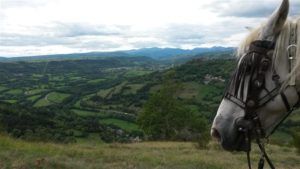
100 99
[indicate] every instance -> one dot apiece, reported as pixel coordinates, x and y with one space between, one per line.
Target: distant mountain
76 56
2 59
167 53
155 53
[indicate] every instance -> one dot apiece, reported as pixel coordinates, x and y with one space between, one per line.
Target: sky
39 27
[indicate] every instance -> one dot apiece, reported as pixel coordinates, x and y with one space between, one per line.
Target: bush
165 117
16 133
203 140
296 137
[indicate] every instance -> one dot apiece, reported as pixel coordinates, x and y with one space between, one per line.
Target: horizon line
112 51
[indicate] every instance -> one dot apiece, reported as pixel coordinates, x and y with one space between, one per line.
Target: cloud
250 9
86 37
31 40
146 42
178 34
85 29
22 3
169 35
59 34
217 34
94 44
59 26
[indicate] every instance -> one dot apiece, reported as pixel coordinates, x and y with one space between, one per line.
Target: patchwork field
33 98
92 95
86 113
15 92
11 101
35 91
95 81
2 88
128 126
56 97
42 103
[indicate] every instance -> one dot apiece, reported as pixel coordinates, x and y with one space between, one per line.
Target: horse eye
258 83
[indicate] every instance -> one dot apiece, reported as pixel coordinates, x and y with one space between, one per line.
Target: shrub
16 133
165 117
296 137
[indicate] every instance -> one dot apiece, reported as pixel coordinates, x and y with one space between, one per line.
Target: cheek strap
285 101
289 110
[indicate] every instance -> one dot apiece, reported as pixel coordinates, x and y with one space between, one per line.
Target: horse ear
276 22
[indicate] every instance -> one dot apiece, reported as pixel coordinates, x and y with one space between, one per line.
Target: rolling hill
108 91
170 53
103 96
155 53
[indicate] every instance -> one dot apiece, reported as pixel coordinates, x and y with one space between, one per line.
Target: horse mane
280 49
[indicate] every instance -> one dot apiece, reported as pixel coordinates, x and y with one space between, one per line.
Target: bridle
251 72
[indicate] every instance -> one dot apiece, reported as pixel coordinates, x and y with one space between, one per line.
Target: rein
251 72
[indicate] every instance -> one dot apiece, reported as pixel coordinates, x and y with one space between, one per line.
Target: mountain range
155 53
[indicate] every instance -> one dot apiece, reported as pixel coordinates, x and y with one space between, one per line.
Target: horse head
258 86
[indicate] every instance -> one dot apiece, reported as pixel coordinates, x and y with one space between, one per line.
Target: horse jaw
273 112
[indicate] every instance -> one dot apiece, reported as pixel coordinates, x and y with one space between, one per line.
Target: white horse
283 74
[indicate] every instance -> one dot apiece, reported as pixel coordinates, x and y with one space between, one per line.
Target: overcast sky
35 27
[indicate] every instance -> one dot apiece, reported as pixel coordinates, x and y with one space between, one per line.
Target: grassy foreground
19 154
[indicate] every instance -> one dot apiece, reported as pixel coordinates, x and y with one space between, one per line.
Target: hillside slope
102 97
147 155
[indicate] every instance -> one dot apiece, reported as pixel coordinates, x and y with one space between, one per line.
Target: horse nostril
215 134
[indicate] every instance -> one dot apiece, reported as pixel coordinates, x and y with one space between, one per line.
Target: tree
165 117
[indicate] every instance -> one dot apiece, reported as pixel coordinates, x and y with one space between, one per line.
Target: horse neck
297 70
284 68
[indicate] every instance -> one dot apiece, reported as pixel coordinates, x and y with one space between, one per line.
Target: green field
147 155
10 101
133 88
118 88
51 98
85 113
56 97
2 88
15 92
34 91
104 92
56 78
33 98
107 93
37 75
77 104
42 102
76 78
128 126
96 81
134 73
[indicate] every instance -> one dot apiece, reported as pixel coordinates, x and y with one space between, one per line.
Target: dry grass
148 155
